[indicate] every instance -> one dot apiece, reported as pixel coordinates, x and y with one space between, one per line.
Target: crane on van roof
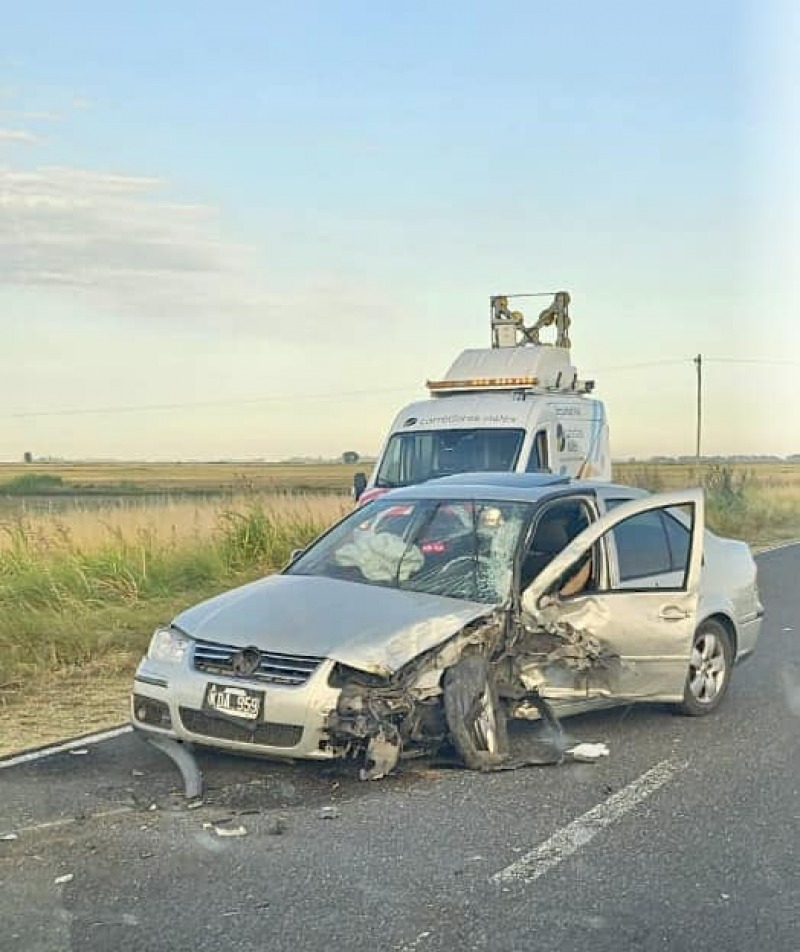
518 358
516 407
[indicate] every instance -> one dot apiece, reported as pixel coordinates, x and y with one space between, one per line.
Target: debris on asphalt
137 773
278 826
63 880
79 752
225 827
587 753
230 831
329 813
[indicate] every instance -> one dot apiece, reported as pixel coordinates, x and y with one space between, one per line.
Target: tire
475 717
709 670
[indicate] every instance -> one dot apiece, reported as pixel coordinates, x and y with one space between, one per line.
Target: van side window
540 457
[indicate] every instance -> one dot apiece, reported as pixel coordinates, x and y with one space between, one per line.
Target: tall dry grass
759 504
85 587
177 521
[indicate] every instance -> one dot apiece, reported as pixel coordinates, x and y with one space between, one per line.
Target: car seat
549 538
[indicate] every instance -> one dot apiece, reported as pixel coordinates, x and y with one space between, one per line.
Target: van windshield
414 457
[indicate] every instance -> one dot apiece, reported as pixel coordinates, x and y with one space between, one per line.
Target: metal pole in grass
698 360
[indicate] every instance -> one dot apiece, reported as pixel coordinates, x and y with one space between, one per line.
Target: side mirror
295 555
359 485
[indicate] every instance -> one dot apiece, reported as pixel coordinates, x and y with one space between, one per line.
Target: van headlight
167 644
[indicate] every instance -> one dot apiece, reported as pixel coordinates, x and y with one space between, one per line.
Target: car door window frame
613 578
611 501
690 500
588 502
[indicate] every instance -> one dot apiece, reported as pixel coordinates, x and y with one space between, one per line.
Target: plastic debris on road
587 753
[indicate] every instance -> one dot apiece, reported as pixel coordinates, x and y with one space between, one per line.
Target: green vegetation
757 505
62 605
31 484
186 478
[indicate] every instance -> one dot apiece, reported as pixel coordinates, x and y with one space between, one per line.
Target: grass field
204 477
189 478
81 590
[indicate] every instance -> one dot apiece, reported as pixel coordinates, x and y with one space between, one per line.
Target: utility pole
698 361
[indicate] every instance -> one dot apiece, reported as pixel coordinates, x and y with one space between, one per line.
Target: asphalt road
685 838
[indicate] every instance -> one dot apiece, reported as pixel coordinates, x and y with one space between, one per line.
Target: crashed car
430 616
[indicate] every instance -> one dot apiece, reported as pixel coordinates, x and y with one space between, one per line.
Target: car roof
510 487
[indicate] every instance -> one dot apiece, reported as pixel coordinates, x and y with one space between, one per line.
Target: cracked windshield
461 549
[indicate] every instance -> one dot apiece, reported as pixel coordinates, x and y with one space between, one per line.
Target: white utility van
515 407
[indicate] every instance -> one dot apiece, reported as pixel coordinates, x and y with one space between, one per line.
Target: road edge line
85 740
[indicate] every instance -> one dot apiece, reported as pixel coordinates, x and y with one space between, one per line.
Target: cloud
119 243
18 135
116 240
39 117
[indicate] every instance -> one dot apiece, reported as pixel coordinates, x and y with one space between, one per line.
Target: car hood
368 627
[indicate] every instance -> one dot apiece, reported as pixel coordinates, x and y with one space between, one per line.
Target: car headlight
167 644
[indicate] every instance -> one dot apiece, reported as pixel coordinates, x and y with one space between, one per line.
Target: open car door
618 639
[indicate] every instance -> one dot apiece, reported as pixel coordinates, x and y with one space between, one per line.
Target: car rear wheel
709 669
475 717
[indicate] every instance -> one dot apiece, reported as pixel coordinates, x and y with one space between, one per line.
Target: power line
752 360
642 366
146 408
346 394
688 360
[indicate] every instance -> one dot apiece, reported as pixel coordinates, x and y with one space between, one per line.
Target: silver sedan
430 616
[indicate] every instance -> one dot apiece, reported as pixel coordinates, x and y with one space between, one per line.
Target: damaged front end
557 660
379 719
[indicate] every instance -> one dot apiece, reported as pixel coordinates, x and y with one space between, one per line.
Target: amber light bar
478 382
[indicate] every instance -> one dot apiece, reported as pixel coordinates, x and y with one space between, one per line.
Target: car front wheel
475 717
709 670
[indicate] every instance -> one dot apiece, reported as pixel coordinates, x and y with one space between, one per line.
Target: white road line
68 821
77 742
569 839
775 548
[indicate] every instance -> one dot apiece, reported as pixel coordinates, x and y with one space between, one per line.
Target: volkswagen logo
246 662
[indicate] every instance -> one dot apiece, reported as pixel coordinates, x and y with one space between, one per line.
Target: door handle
673 613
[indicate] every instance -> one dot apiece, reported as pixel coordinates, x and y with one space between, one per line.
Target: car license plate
233 701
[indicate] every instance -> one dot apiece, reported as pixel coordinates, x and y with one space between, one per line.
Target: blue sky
274 221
